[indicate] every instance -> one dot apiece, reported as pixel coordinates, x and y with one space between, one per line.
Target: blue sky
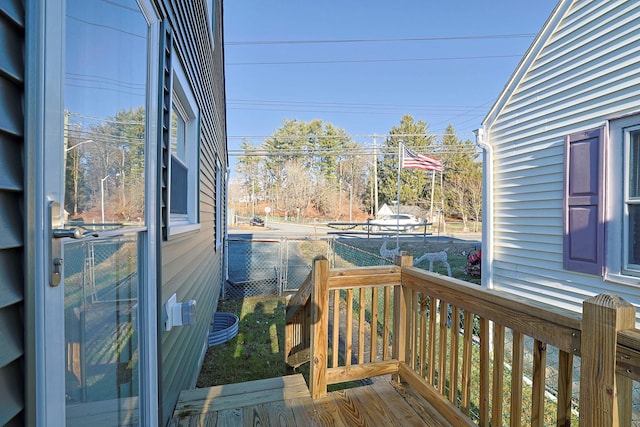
454 80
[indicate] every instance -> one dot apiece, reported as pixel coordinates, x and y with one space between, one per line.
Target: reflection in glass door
105 98
101 339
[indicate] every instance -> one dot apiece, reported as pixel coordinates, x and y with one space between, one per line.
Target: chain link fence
100 299
101 270
274 267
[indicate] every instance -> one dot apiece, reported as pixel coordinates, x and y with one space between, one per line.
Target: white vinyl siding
587 73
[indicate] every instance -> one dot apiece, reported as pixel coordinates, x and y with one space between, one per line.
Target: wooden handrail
300 298
546 323
628 351
297 329
448 343
363 277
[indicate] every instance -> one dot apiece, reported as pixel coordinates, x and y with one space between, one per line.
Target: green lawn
258 350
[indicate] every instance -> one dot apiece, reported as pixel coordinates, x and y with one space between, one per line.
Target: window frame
632 269
183 101
618 268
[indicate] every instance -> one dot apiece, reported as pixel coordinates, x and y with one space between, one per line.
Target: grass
456 254
257 351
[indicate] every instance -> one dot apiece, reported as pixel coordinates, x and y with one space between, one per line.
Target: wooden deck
286 401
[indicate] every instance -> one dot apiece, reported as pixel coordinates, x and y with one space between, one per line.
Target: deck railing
478 356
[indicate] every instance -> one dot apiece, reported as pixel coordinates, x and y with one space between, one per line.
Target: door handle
55 236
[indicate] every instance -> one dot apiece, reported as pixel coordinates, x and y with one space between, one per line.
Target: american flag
413 160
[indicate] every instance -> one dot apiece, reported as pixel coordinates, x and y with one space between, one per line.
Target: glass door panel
105 129
105 118
100 311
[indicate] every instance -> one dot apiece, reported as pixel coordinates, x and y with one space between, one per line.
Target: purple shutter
584 207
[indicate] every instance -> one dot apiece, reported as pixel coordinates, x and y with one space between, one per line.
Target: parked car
403 222
256 221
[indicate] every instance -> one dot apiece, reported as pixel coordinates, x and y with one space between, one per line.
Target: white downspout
487 209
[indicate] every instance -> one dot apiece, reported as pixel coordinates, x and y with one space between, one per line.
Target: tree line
310 169
104 164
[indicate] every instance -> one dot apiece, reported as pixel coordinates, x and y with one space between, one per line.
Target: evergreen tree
462 171
415 184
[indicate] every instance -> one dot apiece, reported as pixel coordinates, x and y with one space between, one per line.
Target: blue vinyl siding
12 376
191 265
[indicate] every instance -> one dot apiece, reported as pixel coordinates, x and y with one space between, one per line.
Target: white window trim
617 181
185 102
627 269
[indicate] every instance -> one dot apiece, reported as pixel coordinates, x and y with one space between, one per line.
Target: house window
631 217
623 188
183 147
179 168
632 200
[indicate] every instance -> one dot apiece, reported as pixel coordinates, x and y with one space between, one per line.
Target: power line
472 112
466 113
108 27
411 39
350 104
332 111
362 152
105 119
362 61
347 108
105 79
368 136
110 89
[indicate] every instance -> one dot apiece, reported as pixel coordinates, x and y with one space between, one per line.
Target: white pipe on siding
487 209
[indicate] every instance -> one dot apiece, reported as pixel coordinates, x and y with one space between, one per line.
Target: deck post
401 300
600 391
319 328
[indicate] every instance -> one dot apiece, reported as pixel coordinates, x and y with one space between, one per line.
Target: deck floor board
286 401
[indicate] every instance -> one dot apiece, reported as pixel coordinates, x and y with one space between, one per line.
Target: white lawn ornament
434 257
388 253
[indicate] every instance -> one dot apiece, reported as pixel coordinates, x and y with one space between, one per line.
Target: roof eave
529 57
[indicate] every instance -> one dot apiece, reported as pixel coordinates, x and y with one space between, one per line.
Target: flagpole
433 188
444 223
398 213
